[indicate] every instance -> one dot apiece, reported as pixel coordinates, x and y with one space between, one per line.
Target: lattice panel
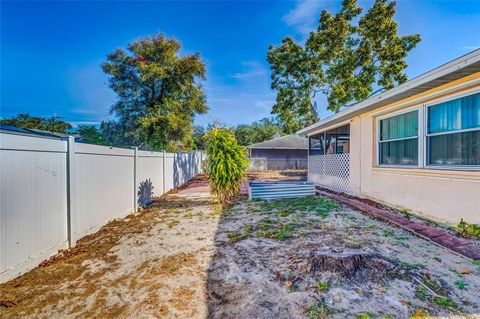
331 171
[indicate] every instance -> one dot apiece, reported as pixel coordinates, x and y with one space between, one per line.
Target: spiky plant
227 163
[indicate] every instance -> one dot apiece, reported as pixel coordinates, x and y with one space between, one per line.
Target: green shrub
226 163
467 230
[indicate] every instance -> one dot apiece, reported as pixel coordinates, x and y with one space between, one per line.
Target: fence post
163 173
70 190
135 177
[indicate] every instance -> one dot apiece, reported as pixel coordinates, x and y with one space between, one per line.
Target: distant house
285 152
416 146
32 132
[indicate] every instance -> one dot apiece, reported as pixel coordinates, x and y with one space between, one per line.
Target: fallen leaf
464 271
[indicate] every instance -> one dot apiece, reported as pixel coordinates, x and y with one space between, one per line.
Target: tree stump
347 261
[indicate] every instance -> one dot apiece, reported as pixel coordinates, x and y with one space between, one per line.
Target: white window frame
419 136
425 133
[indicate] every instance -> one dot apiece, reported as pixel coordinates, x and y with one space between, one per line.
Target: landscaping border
437 236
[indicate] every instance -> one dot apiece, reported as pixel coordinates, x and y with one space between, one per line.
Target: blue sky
51 51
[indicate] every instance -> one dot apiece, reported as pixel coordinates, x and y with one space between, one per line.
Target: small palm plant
227 163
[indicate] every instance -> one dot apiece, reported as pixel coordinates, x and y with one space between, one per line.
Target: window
316 145
453 132
398 142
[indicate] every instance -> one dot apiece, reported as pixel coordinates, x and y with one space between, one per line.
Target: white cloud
304 16
252 69
471 47
89 123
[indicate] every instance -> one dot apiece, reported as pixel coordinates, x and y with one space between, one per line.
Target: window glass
398 143
458 114
455 149
401 152
400 126
446 146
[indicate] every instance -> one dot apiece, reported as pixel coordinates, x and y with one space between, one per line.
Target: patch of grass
461 284
283 235
444 302
313 204
322 286
405 212
421 293
286 211
269 228
437 259
318 310
388 232
393 234
476 263
235 237
432 284
365 315
410 266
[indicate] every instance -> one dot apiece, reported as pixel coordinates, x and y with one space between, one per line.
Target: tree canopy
159 94
345 59
245 134
90 134
50 124
256 132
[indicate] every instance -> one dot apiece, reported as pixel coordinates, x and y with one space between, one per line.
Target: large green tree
51 124
256 132
159 93
92 135
345 59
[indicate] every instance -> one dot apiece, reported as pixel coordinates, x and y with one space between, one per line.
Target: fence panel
169 171
33 202
103 186
150 176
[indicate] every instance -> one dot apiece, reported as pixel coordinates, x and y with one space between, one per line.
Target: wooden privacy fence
55 191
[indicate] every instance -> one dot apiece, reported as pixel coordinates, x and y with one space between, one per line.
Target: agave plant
226 163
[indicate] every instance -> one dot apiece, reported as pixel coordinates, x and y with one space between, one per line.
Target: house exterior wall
444 194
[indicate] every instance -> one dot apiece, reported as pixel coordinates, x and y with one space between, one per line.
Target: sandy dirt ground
150 265
187 257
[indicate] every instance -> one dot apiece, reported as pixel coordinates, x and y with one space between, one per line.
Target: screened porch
329 159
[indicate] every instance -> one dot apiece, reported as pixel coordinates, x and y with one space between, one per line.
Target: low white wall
53 192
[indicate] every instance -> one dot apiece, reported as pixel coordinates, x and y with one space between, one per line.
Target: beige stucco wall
444 195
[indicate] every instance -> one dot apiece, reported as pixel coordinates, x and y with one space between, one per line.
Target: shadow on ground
313 258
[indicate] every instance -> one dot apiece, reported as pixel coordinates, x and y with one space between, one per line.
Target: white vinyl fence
53 192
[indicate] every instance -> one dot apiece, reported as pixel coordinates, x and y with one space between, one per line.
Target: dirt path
150 265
